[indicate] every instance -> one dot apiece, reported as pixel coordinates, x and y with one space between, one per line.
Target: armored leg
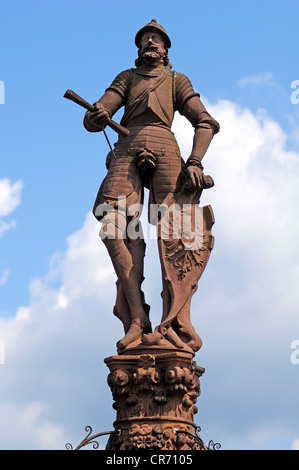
127 258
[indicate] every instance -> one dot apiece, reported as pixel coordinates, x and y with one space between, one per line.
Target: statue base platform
155 393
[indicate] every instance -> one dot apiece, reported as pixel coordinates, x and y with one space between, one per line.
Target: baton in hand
71 95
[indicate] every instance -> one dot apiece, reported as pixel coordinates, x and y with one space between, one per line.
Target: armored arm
112 100
205 126
189 104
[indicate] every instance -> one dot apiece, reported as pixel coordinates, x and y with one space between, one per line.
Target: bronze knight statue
150 157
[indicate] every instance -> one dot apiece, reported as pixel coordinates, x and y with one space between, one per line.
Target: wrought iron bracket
90 439
197 439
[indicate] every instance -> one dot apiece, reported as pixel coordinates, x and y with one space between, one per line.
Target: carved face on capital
152 46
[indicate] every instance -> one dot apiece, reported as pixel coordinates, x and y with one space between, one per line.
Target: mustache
150 48
152 51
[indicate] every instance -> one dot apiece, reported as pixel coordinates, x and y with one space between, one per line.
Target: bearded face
152 47
152 53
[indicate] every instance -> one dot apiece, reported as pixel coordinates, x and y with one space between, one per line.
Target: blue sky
242 57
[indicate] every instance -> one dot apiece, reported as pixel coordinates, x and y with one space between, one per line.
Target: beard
152 53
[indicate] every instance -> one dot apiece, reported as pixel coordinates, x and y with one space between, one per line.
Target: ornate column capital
155 397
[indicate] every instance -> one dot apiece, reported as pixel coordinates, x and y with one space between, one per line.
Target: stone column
155 393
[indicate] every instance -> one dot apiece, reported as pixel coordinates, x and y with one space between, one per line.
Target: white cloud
265 79
26 424
256 181
247 304
295 445
257 223
4 277
5 226
246 307
10 198
51 373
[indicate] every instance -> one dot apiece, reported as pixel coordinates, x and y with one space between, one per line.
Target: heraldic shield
185 242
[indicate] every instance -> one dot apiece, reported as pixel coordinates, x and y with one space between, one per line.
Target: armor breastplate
150 99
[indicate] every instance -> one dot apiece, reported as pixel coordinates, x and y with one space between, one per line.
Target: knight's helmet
153 26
